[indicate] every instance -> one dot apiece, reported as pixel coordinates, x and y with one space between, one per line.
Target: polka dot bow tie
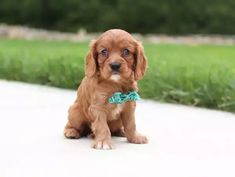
119 97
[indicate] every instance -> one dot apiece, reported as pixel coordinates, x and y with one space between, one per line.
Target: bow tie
119 98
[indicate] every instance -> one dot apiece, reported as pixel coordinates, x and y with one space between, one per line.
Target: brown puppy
114 64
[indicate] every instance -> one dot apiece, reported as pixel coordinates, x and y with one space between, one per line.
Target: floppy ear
140 62
91 63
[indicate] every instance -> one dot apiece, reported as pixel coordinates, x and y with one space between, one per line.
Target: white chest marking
118 109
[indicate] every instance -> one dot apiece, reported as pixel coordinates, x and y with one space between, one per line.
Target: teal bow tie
119 98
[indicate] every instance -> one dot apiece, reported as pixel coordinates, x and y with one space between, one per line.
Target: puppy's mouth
115 72
115 77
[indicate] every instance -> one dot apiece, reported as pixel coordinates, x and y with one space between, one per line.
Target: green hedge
143 16
202 75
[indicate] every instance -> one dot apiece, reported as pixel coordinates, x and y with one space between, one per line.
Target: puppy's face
116 55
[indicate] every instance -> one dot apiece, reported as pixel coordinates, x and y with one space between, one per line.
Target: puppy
115 63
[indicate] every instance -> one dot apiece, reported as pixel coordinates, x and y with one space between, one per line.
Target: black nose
115 66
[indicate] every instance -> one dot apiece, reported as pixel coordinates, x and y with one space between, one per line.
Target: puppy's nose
115 66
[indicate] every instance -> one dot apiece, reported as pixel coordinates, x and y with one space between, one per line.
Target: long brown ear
91 63
141 62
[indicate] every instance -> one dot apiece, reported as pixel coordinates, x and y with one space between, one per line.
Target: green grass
202 75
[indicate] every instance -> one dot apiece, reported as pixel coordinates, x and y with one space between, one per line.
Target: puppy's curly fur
115 63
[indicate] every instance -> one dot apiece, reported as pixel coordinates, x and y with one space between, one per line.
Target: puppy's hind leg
71 132
75 125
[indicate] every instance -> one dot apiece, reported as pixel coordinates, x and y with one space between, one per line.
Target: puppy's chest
115 111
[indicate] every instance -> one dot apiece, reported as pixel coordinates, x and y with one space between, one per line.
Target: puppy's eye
104 52
126 52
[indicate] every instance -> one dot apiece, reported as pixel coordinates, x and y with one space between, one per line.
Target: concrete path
184 141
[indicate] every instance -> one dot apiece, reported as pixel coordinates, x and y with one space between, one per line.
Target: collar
119 97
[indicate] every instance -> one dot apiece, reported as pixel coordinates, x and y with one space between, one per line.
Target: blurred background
136 16
190 45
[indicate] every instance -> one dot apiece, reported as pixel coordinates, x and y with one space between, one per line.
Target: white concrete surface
184 141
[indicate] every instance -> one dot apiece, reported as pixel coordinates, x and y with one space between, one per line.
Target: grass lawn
201 75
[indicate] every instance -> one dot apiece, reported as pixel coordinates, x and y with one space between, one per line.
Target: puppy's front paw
102 144
138 139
